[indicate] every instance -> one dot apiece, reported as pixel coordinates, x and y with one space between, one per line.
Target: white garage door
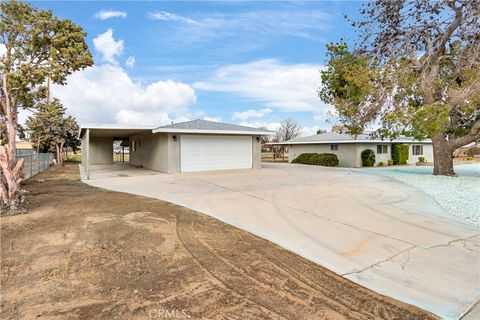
212 152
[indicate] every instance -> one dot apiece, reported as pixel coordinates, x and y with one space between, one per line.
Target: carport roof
194 126
113 130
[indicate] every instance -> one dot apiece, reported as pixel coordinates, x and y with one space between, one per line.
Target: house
348 148
23 147
197 145
463 151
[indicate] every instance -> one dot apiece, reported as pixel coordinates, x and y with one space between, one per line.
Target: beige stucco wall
427 154
349 154
100 150
256 152
151 151
346 153
174 153
382 157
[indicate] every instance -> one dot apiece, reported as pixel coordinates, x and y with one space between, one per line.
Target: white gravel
460 196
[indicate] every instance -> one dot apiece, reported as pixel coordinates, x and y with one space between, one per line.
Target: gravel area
460 196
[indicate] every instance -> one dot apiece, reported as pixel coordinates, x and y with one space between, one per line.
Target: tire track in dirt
306 289
197 251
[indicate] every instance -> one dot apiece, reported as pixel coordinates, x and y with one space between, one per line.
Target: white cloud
273 126
214 119
107 14
254 27
106 94
3 49
130 62
252 113
167 16
289 87
309 131
108 47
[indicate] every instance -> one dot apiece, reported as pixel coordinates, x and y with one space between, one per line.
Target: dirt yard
87 253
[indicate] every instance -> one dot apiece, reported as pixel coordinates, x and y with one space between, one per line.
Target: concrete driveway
374 231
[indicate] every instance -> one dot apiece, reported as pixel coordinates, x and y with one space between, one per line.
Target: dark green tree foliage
400 154
50 130
368 158
38 46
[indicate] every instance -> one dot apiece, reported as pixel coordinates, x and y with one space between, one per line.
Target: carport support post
87 152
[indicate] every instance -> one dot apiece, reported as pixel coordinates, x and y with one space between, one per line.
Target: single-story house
196 145
348 148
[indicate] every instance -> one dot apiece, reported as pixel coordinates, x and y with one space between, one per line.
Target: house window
334 147
382 148
417 149
134 147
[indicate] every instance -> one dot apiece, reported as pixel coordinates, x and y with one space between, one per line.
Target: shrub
380 164
319 159
368 158
324 159
304 158
469 158
421 159
390 162
472 152
400 153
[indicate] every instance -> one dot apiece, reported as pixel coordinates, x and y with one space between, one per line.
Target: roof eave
229 132
346 141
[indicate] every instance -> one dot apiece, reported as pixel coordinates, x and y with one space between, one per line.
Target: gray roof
204 125
332 137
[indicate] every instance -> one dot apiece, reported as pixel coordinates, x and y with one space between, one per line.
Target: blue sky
251 63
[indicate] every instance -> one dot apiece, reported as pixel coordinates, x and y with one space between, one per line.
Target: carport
97 142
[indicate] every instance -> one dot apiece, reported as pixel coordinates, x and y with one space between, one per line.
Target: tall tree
37 46
50 130
415 72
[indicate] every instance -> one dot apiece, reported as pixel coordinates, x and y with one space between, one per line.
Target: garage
215 152
190 146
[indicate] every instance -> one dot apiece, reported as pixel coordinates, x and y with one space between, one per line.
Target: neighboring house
463 151
349 148
24 147
196 145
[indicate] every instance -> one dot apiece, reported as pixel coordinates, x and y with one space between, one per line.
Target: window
417 149
134 148
382 148
334 147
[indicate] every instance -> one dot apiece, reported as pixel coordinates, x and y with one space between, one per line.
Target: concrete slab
377 232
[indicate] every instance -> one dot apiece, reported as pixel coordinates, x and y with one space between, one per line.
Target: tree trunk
12 196
442 156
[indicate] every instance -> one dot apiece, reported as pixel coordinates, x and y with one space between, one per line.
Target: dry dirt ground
87 253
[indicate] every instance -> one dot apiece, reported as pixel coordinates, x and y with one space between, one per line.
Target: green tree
38 48
50 130
416 72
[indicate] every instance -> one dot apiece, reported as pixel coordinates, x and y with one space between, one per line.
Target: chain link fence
35 163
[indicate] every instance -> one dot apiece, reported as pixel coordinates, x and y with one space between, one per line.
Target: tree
415 72
50 130
288 130
38 48
320 131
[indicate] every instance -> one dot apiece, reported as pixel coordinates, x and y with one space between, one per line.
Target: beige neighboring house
349 148
24 147
463 151
196 145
